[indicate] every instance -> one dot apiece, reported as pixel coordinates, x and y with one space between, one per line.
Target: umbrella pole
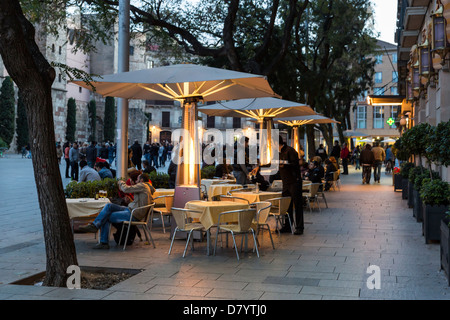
122 104
187 186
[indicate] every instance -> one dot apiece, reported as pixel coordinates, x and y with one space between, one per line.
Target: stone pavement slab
364 225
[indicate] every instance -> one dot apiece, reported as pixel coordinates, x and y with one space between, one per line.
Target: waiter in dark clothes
292 186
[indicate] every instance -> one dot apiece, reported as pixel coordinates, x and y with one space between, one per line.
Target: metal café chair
245 218
183 219
143 223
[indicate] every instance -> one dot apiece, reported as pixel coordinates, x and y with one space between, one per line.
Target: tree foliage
7 110
109 121
71 120
92 113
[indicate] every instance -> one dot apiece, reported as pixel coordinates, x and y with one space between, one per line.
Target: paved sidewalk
364 225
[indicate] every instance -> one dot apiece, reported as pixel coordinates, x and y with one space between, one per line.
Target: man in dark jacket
366 159
137 154
336 151
91 154
292 185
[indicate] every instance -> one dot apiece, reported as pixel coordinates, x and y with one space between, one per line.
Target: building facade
423 37
374 120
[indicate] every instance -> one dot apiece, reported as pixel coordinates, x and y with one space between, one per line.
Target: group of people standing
97 157
156 154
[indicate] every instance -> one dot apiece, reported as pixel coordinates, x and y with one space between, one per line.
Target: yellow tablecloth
85 207
209 182
218 189
212 209
162 192
257 197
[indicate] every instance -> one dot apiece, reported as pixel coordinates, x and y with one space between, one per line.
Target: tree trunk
34 76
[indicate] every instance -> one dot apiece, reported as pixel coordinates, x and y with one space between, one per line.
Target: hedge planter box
398 182
417 205
445 249
410 194
405 188
432 216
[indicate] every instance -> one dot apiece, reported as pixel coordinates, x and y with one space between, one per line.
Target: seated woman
329 173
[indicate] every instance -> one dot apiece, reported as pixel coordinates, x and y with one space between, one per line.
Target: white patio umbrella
296 122
263 110
388 140
366 140
188 84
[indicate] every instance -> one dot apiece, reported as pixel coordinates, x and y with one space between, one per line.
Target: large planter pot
432 216
417 205
445 249
410 194
405 188
398 182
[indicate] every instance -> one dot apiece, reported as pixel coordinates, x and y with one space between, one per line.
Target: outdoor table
208 182
219 189
254 196
211 211
85 207
162 192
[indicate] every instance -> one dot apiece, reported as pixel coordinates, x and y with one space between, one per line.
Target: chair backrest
335 175
168 202
282 203
262 211
182 216
314 188
148 208
245 218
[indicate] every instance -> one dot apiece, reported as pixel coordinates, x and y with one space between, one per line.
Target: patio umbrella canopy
264 110
296 122
181 82
258 108
188 84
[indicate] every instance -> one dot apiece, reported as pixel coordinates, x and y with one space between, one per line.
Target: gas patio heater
188 84
296 122
264 111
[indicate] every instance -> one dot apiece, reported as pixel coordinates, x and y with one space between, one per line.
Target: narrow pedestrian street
364 225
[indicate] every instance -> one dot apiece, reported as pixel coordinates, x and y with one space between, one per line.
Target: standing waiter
292 185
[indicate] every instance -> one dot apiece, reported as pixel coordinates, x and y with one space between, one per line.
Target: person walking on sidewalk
366 159
113 213
345 153
379 156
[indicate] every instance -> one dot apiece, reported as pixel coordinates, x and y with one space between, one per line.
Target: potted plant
401 154
413 173
404 171
417 208
435 196
445 245
438 147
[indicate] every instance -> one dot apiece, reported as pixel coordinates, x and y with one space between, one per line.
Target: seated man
113 213
102 170
315 173
147 168
87 173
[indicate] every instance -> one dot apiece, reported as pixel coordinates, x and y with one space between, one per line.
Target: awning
377 100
